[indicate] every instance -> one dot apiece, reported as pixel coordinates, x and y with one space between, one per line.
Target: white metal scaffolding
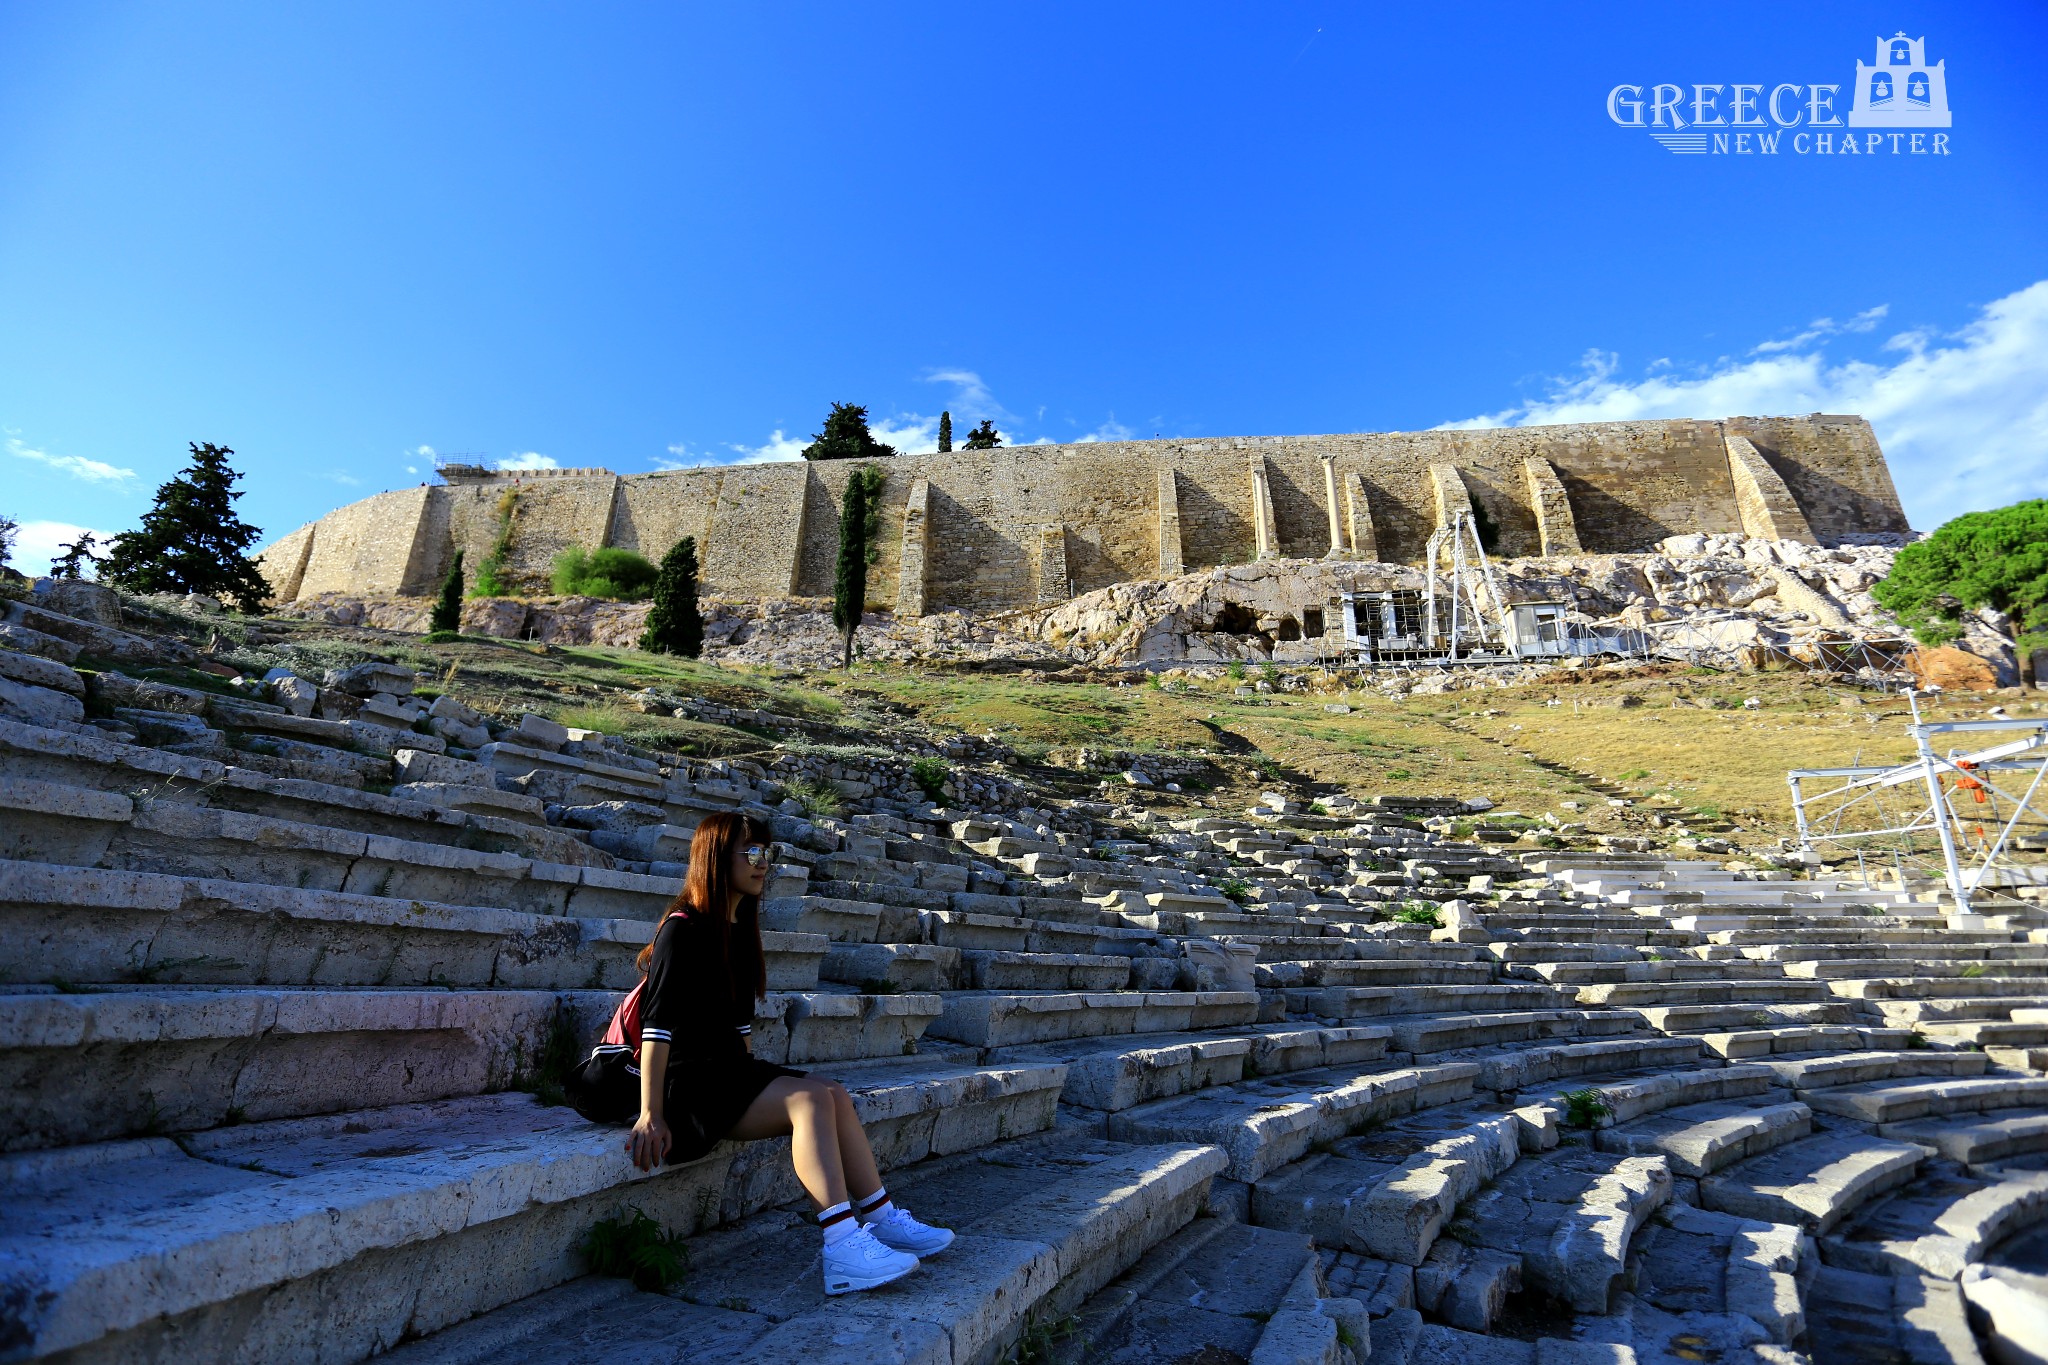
1963 818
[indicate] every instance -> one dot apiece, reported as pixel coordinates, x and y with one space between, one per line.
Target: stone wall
1021 525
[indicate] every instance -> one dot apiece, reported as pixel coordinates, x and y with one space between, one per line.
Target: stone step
1376 1002
840 921
1217 1290
2017 991
1923 967
199 1057
1911 1097
1010 1018
1939 1225
1264 1124
1811 1073
1640 971
1336 947
199 841
500 825
391 1223
1750 1276
1427 1034
1999 1135
1520 1068
1570 1216
1113 1074
1371 972
1814 1183
1922 1014
1703 1019
1680 993
984 969
892 966
1632 1097
1985 1033
91 926
1699 1139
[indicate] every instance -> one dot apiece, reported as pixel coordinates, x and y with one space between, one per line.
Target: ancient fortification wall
1029 524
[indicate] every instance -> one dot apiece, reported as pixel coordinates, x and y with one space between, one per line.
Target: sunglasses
759 855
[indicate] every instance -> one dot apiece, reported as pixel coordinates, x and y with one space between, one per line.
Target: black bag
601 1089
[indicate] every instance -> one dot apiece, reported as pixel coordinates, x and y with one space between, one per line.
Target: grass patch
816 797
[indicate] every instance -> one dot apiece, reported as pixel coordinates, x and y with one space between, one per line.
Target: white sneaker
857 1261
899 1230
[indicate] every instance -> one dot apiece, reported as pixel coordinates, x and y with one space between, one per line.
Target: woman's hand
649 1141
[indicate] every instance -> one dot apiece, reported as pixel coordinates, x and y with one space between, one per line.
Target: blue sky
342 238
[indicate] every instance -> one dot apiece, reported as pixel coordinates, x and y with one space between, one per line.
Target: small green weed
1584 1108
1235 889
1416 914
639 1249
1975 970
1041 1339
1398 774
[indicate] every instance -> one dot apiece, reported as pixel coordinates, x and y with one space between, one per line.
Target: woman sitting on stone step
687 1024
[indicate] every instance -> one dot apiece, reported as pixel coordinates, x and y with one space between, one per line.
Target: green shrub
1234 888
1416 914
637 1249
619 575
490 581
1584 1108
930 774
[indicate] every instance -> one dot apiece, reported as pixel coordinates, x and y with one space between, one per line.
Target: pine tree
983 437
850 583
9 528
191 541
846 437
674 625
77 559
448 610
945 432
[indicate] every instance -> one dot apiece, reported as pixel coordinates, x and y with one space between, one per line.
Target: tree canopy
191 541
846 436
983 437
1981 559
945 432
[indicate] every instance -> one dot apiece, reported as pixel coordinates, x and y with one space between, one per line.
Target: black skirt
703 1099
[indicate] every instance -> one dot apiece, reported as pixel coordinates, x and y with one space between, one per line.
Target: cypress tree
984 437
191 540
674 625
448 610
850 583
945 432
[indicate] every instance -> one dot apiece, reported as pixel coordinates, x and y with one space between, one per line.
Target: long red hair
707 889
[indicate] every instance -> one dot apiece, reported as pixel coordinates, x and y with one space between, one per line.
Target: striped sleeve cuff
746 1028
654 1035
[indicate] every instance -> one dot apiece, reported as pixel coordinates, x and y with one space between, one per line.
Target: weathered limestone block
1767 506
1556 531
1055 584
911 575
1265 529
1358 514
1450 494
1172 558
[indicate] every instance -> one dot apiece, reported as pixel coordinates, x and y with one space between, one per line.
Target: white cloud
532 459
1111 430
77 466
342 476
1962 416
39 542
776 447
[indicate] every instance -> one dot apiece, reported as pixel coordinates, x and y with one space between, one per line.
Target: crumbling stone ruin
285 995
1030 525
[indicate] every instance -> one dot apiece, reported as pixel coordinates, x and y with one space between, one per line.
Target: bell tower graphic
1899 89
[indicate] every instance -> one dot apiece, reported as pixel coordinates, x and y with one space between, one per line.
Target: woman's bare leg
806 1110
856 1158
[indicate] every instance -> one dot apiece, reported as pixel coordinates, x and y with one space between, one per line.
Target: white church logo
1899 89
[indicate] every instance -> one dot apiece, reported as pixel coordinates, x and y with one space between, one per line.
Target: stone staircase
282 996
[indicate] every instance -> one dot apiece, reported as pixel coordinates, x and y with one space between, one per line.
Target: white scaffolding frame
1860 809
